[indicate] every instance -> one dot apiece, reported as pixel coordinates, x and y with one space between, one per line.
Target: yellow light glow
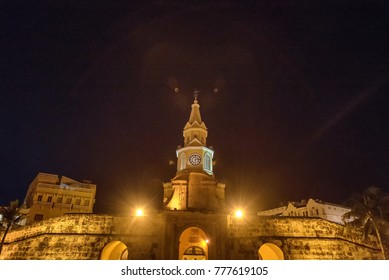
204 242
139 212
239 213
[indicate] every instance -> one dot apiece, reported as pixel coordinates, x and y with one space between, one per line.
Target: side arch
114 250
270 251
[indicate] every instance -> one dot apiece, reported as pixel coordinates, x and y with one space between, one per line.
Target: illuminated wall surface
186 235
50 195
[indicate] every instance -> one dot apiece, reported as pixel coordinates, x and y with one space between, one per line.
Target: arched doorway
270 251
114 250
194 253
193 244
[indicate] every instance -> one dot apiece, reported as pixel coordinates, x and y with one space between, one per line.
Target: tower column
194 187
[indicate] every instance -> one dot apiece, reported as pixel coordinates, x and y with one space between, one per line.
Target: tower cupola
194 187
194 155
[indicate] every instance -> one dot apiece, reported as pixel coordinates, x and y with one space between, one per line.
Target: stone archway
114 250
193 244
270 251
194 253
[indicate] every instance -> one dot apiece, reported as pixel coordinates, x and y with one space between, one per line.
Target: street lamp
139 212
239 213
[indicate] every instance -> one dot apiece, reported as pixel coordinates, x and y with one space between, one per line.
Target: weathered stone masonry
299 238
83 236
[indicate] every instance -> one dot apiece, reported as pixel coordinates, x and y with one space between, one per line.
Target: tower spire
194 187
195 132
196 95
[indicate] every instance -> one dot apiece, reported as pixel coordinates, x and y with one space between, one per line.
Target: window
86 202
78 201
59 199
195 250
182 161
49 199
68 200
38 217
40 197
208 162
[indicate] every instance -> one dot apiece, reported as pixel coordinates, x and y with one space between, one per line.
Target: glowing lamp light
139 212
239 214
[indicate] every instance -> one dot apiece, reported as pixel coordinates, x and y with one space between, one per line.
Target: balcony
62 205
81 208
43 203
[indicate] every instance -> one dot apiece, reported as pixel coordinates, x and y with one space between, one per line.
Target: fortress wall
298 238
282 226
329 249
83 236
56 247
303 248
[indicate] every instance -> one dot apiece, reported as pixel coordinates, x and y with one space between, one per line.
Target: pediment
195 124
195 142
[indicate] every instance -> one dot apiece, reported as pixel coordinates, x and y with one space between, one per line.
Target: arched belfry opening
193 244
270 251
114 250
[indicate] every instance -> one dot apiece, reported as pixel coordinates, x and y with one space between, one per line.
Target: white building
311 208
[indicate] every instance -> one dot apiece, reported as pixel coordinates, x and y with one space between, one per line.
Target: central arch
193 244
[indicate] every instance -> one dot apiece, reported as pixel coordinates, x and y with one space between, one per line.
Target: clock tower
194 187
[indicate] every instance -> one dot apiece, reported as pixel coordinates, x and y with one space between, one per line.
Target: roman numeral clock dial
195 159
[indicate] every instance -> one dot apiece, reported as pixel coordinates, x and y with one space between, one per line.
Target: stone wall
83 236
298 238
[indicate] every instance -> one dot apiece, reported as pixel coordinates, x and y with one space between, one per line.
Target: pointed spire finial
196 94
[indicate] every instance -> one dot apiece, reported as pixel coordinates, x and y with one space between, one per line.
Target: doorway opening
193 244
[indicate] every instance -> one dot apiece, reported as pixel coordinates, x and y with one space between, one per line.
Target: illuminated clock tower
194 187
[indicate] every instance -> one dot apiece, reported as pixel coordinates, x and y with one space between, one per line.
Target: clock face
195 159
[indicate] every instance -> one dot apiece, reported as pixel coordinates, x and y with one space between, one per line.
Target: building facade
311 208
50 195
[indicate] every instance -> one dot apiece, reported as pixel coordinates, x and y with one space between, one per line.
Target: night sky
87 91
